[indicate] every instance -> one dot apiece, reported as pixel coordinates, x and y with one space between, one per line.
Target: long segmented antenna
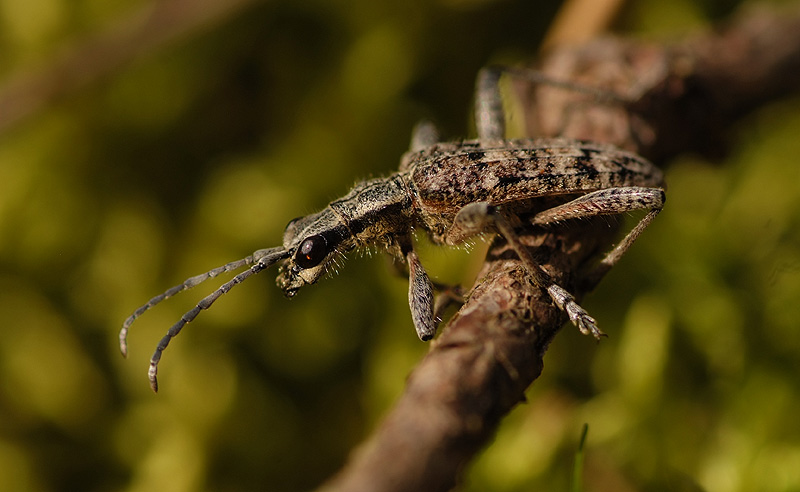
260 260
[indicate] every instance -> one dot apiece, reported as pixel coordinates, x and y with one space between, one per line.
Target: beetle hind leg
478 217
610 201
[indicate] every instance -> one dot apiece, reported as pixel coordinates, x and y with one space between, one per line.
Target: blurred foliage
201 151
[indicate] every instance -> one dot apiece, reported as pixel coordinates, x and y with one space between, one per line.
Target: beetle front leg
476 218
426 309
420 297
420 288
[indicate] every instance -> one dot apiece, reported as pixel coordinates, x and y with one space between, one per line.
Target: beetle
453 191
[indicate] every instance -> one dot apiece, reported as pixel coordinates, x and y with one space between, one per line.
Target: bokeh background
130 162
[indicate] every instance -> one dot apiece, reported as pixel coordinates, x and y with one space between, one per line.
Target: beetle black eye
311 251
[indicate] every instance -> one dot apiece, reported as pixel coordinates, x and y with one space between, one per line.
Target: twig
682 97
579 21
492 349
475 373
150 28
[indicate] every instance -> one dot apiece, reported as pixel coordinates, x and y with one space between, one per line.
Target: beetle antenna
260 260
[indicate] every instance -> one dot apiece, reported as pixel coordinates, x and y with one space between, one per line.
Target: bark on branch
684 97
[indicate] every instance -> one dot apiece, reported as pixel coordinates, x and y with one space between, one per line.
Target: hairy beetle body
453 191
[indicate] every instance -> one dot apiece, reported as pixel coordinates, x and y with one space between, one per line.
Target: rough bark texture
476 371
682 97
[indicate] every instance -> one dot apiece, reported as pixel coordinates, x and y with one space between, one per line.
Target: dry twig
683 97
97 57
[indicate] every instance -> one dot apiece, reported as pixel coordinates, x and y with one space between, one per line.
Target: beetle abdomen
448 176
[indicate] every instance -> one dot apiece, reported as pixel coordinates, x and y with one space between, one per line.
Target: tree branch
148 29
490 352
683 97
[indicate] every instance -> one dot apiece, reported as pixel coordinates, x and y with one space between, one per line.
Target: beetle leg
420 289
424 135
477 217
490 115
490 119
420 297
611 201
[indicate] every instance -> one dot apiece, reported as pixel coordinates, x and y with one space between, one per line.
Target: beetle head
314 242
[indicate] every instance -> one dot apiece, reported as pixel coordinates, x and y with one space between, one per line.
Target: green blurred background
199 148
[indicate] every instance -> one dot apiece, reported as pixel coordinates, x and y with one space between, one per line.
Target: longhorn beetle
454 191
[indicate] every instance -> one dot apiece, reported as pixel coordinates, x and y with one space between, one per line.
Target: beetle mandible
453 191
